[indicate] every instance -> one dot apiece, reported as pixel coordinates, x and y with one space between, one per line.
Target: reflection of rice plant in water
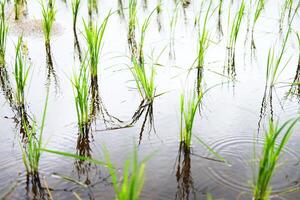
81 95
92 5
286 7
3 33
31 153
260 4
203 43
21 71
48 20
295 85
220 29
75 9
94 36
132 21
273 147
18 6
173 23
132 181
234 31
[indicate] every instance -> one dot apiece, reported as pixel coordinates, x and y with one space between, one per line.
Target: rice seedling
188 109
21 71
3 33
276 139
234 31
31 154
260 5
273 63
49 14
203 40
75 9
94 37
142 39
133 178
144 81
81 95
130 185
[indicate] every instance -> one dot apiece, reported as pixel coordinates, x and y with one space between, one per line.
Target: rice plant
81 95
94 37
132 19
75 9
31 154
142 39
49 14
3 33
144 81
188 109
234 31
132 181
130 185
203 40
260 5
21 71
273 63
275 140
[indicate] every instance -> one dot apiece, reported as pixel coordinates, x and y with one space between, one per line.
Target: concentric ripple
243 156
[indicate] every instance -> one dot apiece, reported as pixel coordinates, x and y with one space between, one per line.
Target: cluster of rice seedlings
31 153
49 14
275 140
260 5
144 81
3 33
75 9
133 178
234 31
94 37
81 95
21 71
188 108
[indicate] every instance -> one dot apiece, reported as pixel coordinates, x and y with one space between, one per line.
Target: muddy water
231 120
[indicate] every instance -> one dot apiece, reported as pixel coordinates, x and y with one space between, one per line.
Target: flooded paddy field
140 99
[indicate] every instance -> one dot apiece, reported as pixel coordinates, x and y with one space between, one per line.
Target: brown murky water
231 113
